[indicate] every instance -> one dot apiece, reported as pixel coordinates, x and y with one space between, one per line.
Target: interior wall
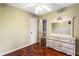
69 11
14 28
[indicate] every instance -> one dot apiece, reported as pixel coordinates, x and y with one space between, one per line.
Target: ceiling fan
39 7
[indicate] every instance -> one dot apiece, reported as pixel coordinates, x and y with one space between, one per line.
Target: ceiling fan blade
29 5
37 10
44 6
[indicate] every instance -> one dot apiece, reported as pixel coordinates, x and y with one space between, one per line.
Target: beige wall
14 28
69 11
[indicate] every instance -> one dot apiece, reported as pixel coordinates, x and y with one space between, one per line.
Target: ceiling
40 8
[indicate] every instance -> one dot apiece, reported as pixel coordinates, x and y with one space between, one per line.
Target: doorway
42 32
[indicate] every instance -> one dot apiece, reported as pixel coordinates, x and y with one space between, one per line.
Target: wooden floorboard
36 50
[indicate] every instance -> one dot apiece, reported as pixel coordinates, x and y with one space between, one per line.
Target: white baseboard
33 42
16 49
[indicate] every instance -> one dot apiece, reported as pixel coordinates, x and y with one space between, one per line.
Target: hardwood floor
36 50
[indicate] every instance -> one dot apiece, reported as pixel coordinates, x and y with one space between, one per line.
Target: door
33 30
42 32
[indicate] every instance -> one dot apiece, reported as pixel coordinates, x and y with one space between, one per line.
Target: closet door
33 30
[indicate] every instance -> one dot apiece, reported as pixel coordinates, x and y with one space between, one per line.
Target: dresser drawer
49 43
68 51
68 40
57 45
69 46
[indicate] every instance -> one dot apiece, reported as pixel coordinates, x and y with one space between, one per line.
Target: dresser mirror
62 26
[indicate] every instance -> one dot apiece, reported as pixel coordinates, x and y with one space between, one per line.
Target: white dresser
62 44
